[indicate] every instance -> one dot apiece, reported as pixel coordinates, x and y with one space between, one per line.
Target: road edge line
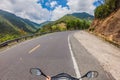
78 75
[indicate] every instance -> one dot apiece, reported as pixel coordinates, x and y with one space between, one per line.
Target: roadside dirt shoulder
107 54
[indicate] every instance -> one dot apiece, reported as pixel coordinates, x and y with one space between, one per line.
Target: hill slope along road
50 53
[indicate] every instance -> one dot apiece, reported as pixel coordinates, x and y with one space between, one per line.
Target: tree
117 4
107 8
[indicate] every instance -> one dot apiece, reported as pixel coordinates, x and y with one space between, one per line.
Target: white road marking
34 49
78 75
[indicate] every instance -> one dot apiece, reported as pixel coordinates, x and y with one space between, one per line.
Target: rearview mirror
35 71
91 74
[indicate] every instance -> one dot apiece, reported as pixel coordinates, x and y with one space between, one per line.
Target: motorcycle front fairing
63 76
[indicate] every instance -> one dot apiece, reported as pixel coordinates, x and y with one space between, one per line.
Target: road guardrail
6 43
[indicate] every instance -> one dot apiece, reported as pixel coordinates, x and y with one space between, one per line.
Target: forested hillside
104 10
12 26
77 21
107 21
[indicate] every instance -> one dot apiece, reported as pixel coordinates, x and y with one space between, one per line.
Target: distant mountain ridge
20 23
36 25
12 26
44 23
72 16
83 15
63 19
68 22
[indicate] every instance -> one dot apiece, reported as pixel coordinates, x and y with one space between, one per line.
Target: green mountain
67 22
44 23
33 24
66 18
20 23
7 28
70 17
83 15
12 26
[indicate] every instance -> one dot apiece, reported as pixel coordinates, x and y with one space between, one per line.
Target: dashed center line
32 50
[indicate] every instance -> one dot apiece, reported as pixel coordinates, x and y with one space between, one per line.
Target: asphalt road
87 62
50 52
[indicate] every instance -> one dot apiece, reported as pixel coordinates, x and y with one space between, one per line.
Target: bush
105 9
78 24
7 37
102 11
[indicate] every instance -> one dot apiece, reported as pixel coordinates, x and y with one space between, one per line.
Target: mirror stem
79 78
45 75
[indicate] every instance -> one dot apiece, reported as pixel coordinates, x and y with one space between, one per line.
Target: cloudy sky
43 10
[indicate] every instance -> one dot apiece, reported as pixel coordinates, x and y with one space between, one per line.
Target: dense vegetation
104 10
68 22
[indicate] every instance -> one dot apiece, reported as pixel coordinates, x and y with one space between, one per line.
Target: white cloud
74 6
81 6
53 4
26 9
59 11
30 9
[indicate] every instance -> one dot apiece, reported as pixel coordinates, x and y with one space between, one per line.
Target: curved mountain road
51 53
